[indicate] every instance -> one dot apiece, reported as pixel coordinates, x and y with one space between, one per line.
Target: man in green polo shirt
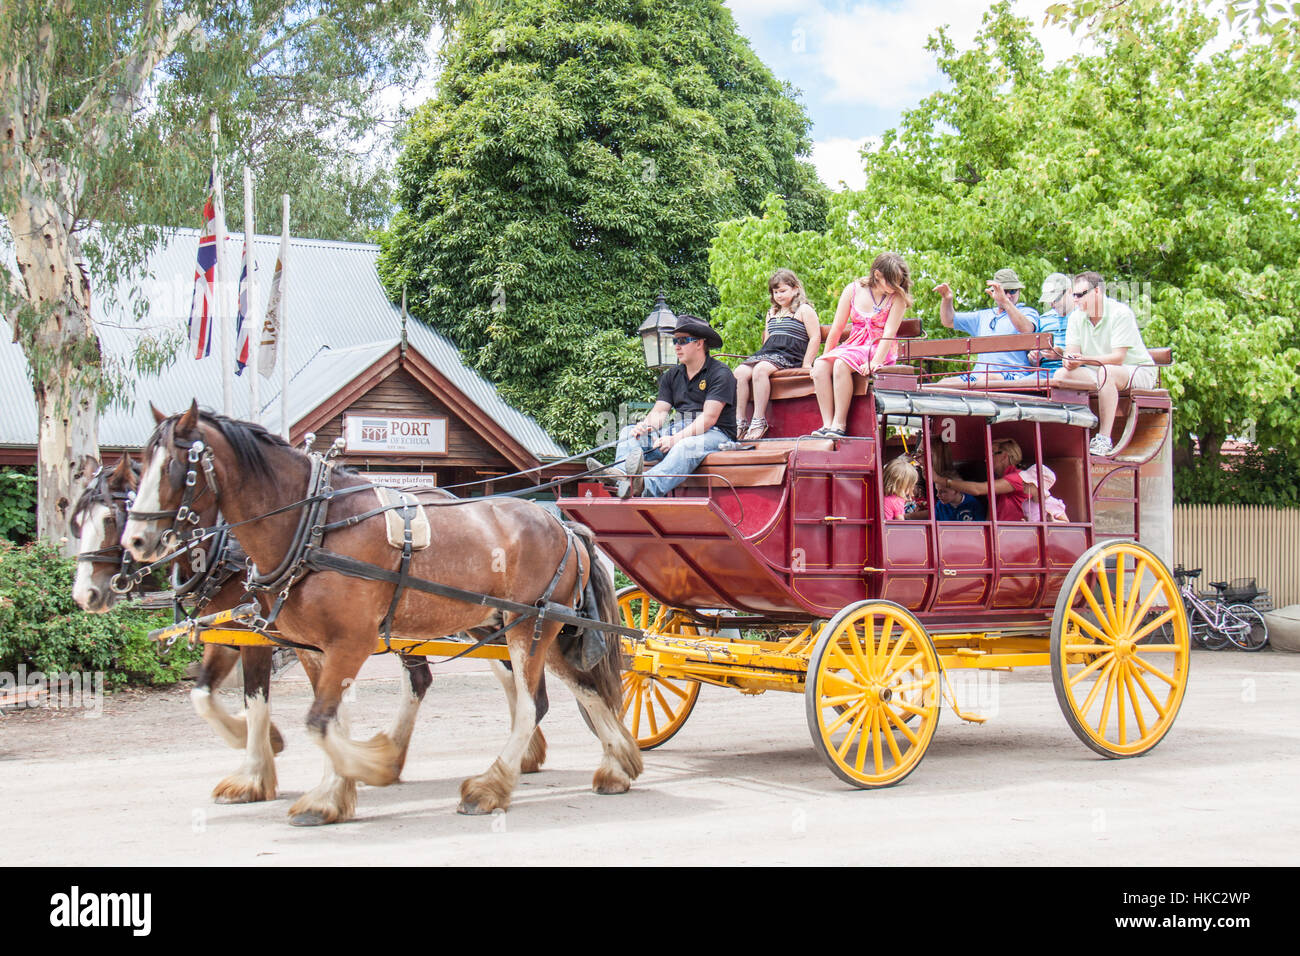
1104 352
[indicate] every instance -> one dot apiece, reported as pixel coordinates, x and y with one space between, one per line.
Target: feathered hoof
609 780
309 819
486 793
317 808
238 788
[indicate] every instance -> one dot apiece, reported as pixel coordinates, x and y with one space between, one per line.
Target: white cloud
838 161
874 55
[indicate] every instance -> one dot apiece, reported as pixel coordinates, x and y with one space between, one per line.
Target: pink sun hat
1030 476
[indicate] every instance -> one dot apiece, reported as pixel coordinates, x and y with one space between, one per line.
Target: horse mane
249 441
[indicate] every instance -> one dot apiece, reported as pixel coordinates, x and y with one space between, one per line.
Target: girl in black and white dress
792 337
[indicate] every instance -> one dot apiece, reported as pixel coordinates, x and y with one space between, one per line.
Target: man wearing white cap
1056 299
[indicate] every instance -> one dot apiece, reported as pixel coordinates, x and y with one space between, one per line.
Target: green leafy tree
1168 171
576 160
104 109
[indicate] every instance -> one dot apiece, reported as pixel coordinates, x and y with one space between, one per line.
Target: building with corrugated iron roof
397 392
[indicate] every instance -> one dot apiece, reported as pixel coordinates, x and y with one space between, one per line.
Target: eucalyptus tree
104 108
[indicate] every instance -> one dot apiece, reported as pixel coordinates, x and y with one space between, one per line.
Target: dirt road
739 784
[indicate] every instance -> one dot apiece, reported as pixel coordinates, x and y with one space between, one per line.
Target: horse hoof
239 789
309 819
476 809
609 782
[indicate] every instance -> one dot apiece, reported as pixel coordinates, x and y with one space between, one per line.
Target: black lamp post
657 335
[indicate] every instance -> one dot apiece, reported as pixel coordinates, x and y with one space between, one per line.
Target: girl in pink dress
875 304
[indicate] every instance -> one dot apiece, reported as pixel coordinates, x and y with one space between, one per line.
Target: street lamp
657 335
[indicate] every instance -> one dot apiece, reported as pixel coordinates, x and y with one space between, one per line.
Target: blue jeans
682 460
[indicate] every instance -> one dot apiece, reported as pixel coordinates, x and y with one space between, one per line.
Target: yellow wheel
1120 649
872 693
654 707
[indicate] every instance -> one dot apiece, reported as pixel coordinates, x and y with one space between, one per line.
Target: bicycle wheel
1245 627
1205 634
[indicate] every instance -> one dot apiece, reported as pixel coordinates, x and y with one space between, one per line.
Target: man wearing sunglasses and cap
1008 318
703 393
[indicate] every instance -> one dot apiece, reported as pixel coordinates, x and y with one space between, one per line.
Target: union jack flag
203 308
243 322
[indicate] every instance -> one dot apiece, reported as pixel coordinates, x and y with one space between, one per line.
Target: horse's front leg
255 780
492 790
375 761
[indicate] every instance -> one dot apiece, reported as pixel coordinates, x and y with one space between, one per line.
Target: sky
858 64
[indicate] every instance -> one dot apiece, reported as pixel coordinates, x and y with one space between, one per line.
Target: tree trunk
58 338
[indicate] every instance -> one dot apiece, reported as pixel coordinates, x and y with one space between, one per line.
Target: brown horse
97 522
504 548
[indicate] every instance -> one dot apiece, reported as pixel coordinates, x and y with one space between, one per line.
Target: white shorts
1140 376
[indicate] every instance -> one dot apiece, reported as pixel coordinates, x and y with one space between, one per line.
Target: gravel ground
739 784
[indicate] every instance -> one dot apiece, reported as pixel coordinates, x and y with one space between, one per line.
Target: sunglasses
1080 295
685 340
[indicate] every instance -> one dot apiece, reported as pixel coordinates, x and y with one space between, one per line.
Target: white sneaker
1101 446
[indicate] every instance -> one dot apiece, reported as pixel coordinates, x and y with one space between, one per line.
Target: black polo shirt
714 383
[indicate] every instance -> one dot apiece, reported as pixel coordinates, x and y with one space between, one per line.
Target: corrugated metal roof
340 322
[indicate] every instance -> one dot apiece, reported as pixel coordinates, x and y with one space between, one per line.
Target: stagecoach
770 568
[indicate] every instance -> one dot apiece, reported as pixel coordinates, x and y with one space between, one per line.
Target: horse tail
602 604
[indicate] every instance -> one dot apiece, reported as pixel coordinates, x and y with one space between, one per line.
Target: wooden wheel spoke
650 714
1107 599
1135 592
1137 704
876 732
663 701
835 654
668 685
844 716
636 712
1119 602
885 632
889 735
1111 678
892 665
1155 671
1088 649
901 724
1146 689
1152 625
863 662
1086 625
1100 661
864 742
1097 684
1121 711
854 732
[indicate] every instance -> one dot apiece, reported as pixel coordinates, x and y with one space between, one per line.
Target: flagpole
255 414
282 347
227 355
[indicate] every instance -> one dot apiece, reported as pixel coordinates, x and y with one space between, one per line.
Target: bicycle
1215 624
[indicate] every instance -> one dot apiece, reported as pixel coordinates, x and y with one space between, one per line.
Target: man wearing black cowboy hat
703 393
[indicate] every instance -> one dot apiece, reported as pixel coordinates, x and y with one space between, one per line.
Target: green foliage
575 161
41 626
17 505
1279 23
1169 171
1260 477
